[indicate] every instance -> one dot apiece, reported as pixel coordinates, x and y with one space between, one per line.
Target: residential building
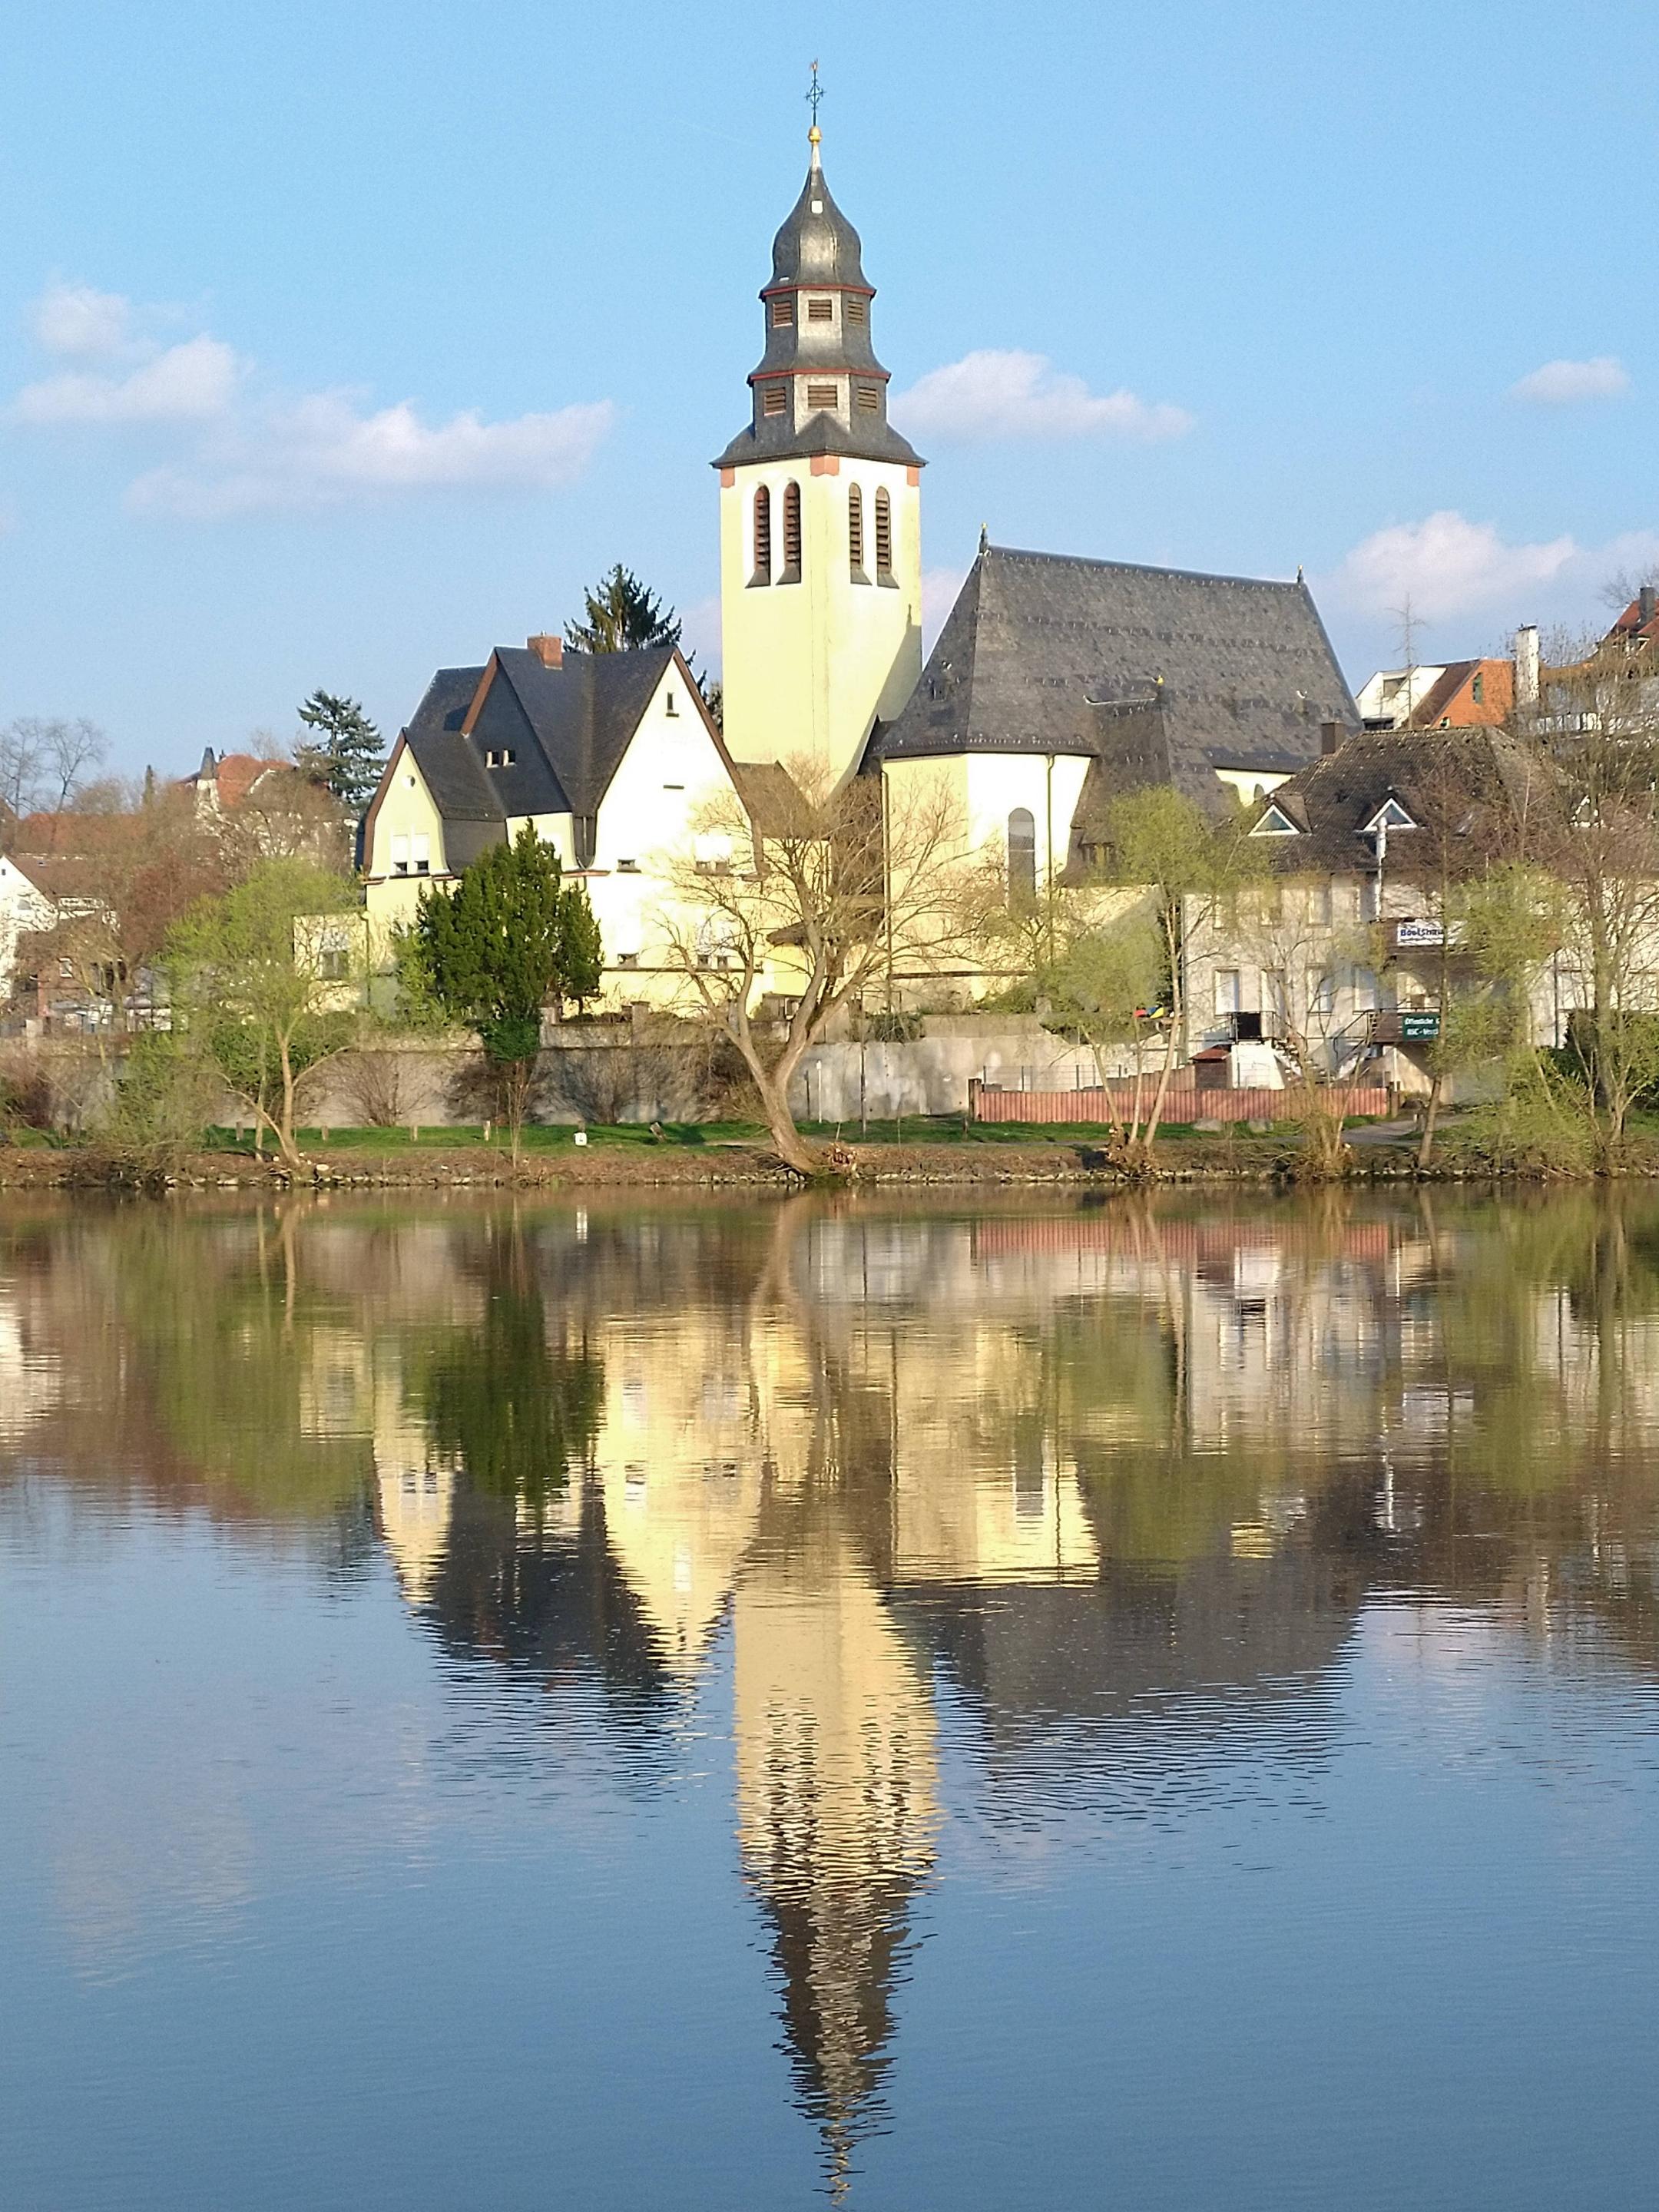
613 758
1345 952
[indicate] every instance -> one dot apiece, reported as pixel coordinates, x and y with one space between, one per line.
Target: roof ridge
1145 569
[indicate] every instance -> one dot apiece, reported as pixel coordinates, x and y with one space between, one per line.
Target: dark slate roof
1476 786
1151 674
814 243
773 800
568 728
772 438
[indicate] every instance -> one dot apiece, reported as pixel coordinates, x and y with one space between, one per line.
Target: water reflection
1095 1492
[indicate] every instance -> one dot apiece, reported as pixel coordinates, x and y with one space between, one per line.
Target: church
1056 684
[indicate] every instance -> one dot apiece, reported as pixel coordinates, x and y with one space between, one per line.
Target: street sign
1419 1028
1419 932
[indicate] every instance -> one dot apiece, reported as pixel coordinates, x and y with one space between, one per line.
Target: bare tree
777 923
22 764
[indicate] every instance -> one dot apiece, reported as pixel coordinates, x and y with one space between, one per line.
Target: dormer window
1275 823
820 311
500 756
1391 815
783 311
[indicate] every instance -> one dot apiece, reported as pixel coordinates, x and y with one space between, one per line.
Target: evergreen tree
622 614
345 752
509 939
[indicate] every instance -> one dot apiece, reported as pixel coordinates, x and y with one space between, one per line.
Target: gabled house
39 893
1345 951
611 757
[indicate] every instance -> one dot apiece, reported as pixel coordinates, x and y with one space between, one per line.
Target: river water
1035 1703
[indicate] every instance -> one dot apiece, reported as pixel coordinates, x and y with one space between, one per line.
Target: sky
341 342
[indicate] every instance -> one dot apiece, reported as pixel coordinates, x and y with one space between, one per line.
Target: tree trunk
1429 1118
772 1088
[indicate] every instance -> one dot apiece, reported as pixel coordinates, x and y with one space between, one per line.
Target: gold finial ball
815 136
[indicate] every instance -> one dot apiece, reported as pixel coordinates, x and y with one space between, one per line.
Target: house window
783 311
885 535
822 395
820 311
332 962
791 534
1321 994
869 399
857 307
1022 855
628 867
400 853
420 853
774 400
500 756
763 537
855 531
1364 990
1478 689
670 705
1227 991
627 960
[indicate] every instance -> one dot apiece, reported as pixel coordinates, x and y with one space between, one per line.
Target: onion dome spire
819 387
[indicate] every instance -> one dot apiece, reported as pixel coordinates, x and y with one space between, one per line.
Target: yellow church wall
808 666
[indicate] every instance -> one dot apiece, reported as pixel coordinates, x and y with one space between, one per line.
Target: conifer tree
622 614
345 752
510 939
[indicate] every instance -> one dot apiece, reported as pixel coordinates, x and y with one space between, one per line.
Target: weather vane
815 95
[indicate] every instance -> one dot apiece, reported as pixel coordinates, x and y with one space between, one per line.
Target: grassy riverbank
949 1151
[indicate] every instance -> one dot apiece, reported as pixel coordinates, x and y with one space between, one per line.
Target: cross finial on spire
815 94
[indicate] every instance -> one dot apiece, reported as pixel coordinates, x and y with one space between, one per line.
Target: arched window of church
1021 857
791 534
763 537
884 534
855 531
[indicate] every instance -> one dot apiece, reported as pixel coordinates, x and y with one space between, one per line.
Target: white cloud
322 451
189 383
1565 383
250 450
1011 394
74 320
1446 565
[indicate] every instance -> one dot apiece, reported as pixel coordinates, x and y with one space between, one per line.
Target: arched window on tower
790 572
855 533
763 537
883 536
1021 857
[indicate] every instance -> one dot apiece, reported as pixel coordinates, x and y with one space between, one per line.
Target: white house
24 905
613 757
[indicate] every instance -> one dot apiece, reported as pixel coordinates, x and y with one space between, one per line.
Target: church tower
820 514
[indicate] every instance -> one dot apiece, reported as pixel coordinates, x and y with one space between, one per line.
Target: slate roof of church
1154 675
568 728
1469 792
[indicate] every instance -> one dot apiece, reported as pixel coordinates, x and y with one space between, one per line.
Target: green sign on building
1419 1028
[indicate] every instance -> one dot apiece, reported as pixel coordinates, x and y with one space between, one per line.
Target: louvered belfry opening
762 536
884 533
791 564
856 530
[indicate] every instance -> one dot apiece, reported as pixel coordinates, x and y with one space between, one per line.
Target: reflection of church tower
837 1777
820 514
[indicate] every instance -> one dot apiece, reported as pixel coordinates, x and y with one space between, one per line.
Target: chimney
550 650
1526 665
1330 736
1647 604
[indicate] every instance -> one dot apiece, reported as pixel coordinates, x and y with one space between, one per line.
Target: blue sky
340 341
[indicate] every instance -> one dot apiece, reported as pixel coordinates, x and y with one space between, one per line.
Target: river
1044 1702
